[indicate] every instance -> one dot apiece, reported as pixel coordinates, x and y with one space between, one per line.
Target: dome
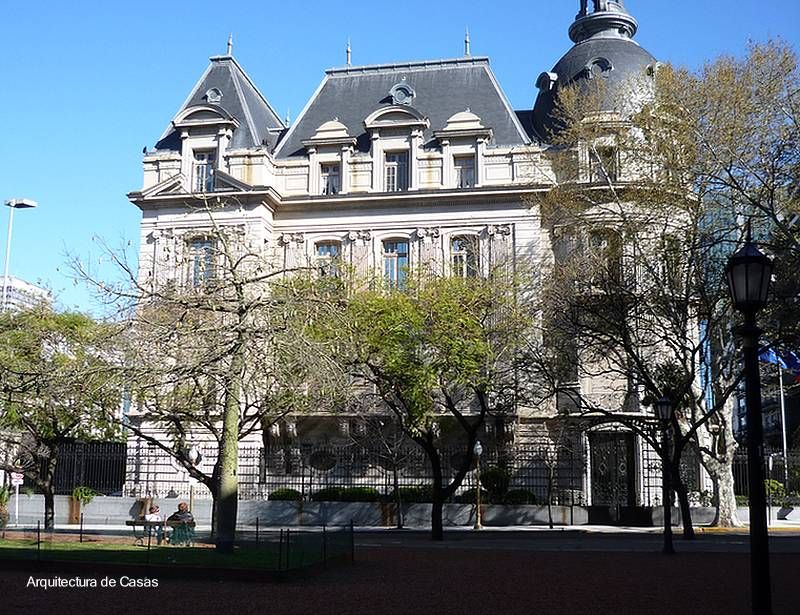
604 50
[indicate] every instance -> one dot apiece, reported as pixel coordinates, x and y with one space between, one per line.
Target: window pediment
396 116
204 115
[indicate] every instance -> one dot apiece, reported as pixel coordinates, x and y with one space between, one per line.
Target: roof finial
288 117
466 43
349 52
230 44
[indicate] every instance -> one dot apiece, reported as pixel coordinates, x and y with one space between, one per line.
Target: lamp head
664 408
749 272
21 203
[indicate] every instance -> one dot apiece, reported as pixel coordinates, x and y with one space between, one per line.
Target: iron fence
787 474
309 469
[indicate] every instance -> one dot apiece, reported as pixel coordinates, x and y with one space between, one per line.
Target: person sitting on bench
182 524
154 516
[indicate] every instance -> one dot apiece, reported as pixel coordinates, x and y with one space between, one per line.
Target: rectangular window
465 171
329 178
201 261
397 172
327 258
203 171
395 262
603 165
464 256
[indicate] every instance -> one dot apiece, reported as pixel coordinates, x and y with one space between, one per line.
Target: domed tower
604 49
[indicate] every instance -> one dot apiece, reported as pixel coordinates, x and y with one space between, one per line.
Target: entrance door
612 469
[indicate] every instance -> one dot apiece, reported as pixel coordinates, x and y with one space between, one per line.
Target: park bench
182 531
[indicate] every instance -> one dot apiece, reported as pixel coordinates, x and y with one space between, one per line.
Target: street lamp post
12 204
194 458
478 450
748 273
664 411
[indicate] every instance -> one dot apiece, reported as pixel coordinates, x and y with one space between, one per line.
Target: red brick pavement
421 580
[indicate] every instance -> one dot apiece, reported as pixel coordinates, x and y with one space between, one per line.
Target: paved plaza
505 572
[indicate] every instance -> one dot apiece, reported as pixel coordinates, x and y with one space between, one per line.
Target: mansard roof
435 90
225 85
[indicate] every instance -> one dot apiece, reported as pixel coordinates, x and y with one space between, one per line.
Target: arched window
201 261
328 254
606 247
464 261
395 262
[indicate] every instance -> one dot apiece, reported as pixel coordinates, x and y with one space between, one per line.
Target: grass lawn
301 553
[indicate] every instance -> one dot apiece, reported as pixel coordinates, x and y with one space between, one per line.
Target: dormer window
396 171
330 178
465 171
603 164
203 170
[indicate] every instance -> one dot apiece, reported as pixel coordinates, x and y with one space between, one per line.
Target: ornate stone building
389 167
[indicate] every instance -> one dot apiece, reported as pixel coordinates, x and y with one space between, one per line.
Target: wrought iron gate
613 471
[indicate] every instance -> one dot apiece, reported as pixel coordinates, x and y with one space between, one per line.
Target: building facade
388 168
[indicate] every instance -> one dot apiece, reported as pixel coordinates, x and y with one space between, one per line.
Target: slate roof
442 88
258 121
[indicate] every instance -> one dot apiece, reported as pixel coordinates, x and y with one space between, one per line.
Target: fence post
149 539
256 532
352 542
288 547
324 547
280 550
38 540
80 535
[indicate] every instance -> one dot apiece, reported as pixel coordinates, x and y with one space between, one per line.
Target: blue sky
88 84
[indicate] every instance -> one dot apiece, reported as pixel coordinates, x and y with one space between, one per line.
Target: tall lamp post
478 450
748 273
12 204
194 458
664 411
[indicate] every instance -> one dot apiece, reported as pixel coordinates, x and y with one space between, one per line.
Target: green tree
441 351
57 385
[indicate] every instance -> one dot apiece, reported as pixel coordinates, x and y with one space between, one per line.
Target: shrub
792 501
360 494
285 495
468 497
742 500
413 495
329 494
516 497
496 481
775 489
84 495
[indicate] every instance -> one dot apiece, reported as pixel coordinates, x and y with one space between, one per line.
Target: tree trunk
683 502
227 505
726 497
49 505
437 510
398 498
550 480
45 483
